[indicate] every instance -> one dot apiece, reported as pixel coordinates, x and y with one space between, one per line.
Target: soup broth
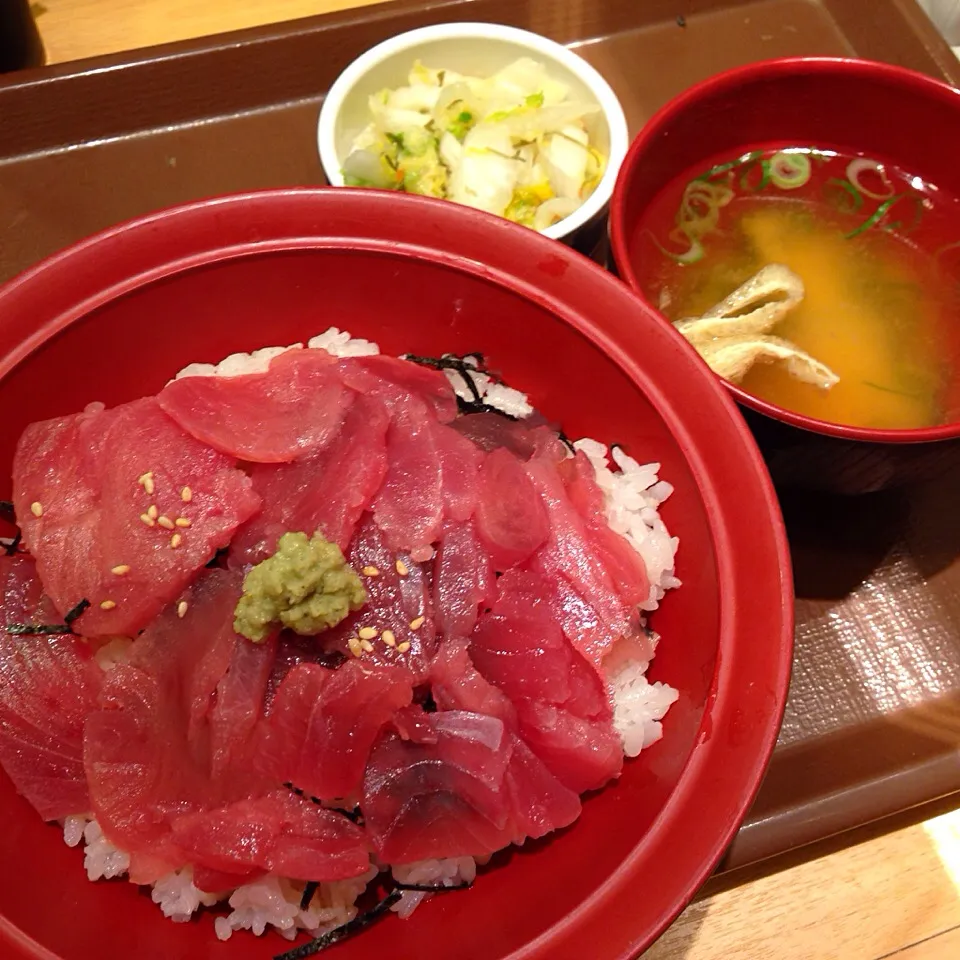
874 248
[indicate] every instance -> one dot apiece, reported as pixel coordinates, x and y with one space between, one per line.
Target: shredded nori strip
466 371
566 441
308 891
423 696
6 511
37 629
431 887
341 933
76 611
11 548
355 815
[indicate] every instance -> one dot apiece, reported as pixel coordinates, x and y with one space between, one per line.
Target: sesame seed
367 633
354 644
388 638
403 647
417 623
146 481
176 540
36 508
182 608
165 522
120 569
367 646
182 522
371 571
107 604
186 494
402 568
147 519
153 512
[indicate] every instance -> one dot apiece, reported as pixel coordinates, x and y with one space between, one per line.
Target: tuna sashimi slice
86 489
280 832
626 568
569 553
564 714
456 684
463 580
395 382
151 747
432 800
460 464
323 724
327 492
398 600
292 410
409 507
540 803
511 518
48 685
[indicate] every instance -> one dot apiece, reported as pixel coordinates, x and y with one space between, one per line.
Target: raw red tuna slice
238 709
395 382
626 568
460 465
523 438
409 507
561 703
463 580
280 832
398 599
292 410
327 492
433 800
83 483
48 685
569 553
149 749
220 881
521 649
323 723
456 684
511 518
539 803
583 754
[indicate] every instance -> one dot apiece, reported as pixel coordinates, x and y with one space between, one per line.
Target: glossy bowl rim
599 88
95 271
727 82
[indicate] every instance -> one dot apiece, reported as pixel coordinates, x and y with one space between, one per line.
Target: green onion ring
874 218
788 171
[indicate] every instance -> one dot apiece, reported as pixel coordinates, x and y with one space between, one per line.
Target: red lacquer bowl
114 317
886 112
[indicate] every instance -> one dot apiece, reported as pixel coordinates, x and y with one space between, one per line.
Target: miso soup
877 250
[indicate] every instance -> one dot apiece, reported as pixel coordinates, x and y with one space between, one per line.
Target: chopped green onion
849 199
874 218
764 176
730 165
789 171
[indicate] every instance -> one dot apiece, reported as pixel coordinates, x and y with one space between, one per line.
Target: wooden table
864 897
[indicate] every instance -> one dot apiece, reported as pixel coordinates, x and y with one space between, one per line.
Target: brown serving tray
873 720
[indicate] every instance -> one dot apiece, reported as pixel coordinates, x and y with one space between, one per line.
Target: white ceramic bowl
479 49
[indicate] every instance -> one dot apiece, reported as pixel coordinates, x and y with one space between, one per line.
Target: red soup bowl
112 318
884 112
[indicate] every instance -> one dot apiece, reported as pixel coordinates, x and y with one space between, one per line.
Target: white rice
633 494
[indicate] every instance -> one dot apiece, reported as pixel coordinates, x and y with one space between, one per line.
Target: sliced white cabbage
488 171
550 211
565 156
510 144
